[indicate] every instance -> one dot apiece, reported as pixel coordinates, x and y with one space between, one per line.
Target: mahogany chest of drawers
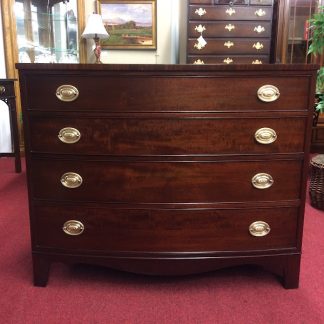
167 170
231 32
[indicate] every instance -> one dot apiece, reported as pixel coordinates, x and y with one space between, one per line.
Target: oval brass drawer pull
67 93
265 136
230 11
200 12
71 180
260 13
259 229
73 228
268 93
69 135
2 90
262 181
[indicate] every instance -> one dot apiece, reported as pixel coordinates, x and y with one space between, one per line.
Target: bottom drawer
228 59
162 230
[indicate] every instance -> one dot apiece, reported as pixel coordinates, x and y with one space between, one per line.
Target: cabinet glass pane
298 40
47 31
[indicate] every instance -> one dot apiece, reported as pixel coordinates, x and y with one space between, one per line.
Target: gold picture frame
131 24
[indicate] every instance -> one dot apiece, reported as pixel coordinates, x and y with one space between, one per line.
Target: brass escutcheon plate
67 93
73 228
259 229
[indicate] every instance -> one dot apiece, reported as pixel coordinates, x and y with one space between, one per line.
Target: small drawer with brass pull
71 180
73 228
226 13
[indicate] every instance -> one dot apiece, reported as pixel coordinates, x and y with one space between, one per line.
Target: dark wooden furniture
167 170
7 94
229 31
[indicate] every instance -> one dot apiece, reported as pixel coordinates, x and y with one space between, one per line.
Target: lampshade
95 28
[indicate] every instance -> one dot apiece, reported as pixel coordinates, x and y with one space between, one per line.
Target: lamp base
97 50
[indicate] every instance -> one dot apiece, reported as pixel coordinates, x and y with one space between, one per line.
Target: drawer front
134 230
229 13
229 59
245 29
230 46
166 93
165 182
165 136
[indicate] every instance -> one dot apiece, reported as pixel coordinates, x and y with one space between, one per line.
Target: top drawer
163 93
229 13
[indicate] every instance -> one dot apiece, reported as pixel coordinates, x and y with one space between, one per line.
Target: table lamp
95 29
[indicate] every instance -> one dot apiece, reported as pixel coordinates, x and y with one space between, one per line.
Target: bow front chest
167 170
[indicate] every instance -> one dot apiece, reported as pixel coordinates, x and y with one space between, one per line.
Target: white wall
167 39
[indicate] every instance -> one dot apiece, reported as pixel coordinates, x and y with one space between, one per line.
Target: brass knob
257 62
200 12
67 93
71 180
262 181
73 228
259 229
268 93
265 136
69 135
230 11
260 13
2 89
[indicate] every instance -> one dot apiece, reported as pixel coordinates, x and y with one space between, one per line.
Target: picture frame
131 24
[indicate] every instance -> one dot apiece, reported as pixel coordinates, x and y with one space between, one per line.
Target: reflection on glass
300 12
47 33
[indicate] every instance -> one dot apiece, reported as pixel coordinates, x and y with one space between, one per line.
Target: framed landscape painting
130 24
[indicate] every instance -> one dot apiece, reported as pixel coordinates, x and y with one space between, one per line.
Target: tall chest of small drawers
167 170
231 32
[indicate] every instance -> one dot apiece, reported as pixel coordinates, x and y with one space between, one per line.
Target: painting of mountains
130 24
